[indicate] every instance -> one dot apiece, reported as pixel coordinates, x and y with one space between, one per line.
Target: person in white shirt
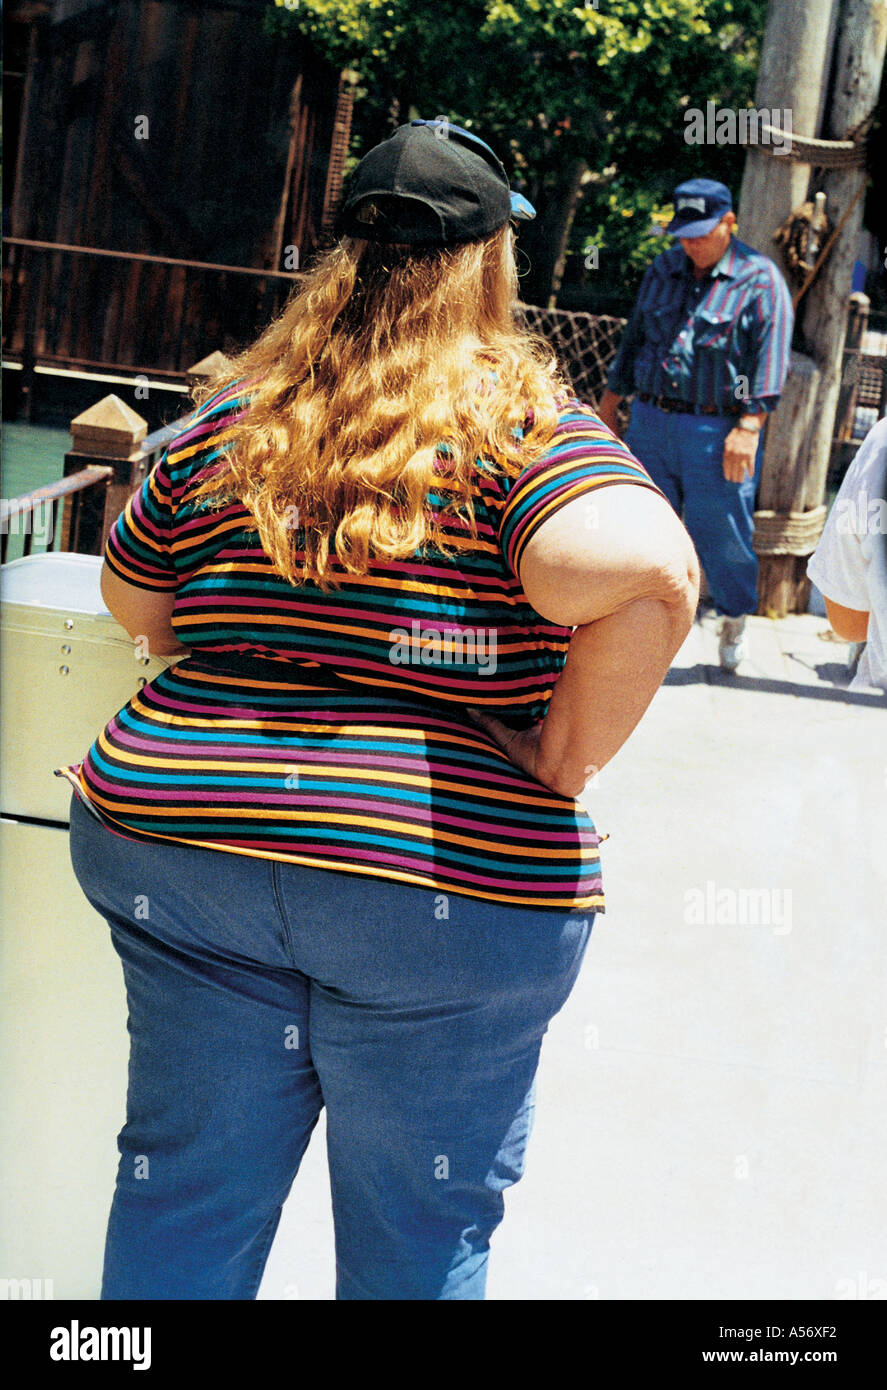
849 565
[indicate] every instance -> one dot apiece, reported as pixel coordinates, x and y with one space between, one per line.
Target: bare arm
614 668
630 588
850 623
609 404
143 613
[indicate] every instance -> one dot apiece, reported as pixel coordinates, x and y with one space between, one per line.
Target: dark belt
267 669
677 407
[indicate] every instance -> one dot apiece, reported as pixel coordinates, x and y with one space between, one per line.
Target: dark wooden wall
217 101
173 128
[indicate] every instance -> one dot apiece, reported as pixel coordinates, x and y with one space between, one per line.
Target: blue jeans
261 991
684 456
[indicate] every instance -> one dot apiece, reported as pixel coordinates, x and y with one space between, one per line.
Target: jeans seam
262 1255
281 910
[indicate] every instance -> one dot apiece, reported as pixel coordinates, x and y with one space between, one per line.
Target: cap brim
693 229
521 208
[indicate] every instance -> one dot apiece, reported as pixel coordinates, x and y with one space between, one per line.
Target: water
32 456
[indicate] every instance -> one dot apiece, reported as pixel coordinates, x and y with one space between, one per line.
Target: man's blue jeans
259 992
684 456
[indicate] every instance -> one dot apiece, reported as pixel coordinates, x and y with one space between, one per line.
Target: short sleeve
583 456
139 548
839 567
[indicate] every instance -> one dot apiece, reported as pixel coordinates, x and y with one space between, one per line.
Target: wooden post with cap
109 432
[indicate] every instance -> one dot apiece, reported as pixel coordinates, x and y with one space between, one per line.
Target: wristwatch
746 424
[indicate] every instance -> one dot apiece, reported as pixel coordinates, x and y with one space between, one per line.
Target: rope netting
585 344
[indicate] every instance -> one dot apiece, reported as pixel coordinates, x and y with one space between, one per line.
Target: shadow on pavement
702 674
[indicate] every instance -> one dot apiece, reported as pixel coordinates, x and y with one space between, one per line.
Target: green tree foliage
585 104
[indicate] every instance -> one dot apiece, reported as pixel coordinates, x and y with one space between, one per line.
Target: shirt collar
726 266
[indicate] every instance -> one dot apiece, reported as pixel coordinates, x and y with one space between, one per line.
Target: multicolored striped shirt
329 729
722 342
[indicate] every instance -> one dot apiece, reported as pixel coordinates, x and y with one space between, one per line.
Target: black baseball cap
430 184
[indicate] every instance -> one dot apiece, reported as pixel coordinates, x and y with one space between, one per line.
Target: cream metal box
65 668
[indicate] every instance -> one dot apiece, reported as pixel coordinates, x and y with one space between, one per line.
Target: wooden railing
110 457
27 515
90 308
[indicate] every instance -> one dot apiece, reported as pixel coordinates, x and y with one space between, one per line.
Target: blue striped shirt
723 341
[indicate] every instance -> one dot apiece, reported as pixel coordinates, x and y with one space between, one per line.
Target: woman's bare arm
850 623
614 667
144 613
629 584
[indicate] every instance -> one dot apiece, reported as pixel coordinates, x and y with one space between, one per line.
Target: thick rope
803 149
788 533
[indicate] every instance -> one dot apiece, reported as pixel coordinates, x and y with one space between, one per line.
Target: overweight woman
414 594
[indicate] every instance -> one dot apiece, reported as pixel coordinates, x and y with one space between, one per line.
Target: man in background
705 355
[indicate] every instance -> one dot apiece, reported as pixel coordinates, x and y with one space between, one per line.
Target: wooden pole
861 47
109 432
793 76
801 38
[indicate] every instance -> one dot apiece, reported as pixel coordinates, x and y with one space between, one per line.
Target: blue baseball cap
699 205
430 183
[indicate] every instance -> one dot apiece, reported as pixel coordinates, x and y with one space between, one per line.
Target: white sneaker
733 644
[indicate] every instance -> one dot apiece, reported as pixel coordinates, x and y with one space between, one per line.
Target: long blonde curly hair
389 374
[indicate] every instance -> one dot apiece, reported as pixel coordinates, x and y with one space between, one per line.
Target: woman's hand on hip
521 746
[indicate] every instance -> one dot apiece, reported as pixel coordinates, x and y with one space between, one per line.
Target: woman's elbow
851 624
677 585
